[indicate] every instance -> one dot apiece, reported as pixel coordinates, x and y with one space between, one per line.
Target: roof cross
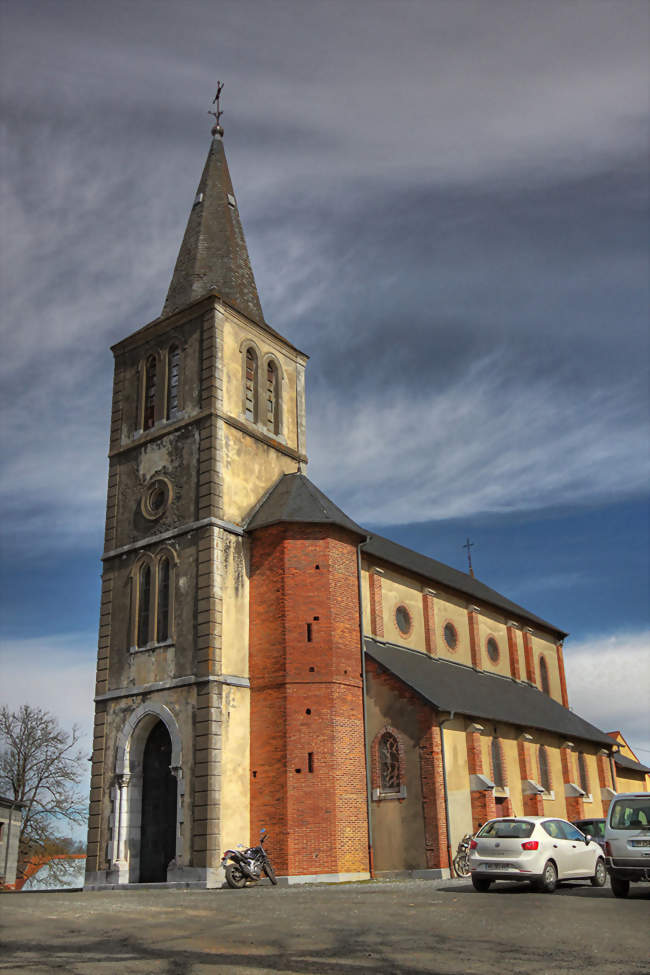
469 545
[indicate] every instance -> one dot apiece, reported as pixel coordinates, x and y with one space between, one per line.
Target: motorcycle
461 860
245 866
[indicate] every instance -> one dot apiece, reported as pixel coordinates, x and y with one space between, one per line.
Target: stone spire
213 255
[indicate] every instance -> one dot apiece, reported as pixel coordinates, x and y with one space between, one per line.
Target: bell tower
208 413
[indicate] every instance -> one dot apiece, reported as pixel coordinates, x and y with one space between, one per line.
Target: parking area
398 927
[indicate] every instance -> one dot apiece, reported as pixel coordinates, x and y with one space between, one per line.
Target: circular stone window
492 649
156 498
451 636
403 620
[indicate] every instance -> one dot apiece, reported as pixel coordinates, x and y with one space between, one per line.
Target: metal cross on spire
217 128
469 545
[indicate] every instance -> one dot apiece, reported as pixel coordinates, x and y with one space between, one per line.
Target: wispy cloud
608 679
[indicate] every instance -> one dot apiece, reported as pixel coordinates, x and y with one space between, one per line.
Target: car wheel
620 886
480 884
548 881
599 878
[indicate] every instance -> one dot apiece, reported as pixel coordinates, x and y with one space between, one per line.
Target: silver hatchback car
539 849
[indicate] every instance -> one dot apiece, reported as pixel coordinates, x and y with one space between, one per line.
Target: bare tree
41 766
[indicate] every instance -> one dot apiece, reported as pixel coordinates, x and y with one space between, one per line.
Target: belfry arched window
250 385
272 397
544 774
153 600
543 676
149 415
144 604
173 366
497 764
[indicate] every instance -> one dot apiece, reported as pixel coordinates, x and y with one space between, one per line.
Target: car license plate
498 866
640 843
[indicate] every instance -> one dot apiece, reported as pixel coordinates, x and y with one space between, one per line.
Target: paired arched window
272 396
544 773
251 391
497 764
153 600
582 773
159 396
543 676
389 763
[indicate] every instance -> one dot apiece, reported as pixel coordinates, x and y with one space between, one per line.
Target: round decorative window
451 636
403 620
156 498
492 649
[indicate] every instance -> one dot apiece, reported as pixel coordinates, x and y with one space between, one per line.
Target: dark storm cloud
443 204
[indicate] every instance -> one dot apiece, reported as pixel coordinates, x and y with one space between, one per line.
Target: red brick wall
574 804
428 609
513 654
560 666
376 604
474 640
483 804
529 658
533 804
317 820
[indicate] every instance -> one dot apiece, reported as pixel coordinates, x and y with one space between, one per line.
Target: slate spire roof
213 255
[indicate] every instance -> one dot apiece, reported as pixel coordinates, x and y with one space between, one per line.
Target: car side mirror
588 839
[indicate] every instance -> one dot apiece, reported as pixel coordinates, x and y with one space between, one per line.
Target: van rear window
632 813
504 829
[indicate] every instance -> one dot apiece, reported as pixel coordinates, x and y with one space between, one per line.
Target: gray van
627 841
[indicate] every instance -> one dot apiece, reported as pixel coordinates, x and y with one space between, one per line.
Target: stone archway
148 759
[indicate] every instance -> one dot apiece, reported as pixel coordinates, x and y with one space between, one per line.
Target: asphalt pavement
404 927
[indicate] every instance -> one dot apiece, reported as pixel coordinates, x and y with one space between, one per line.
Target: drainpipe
612 768
365 715
444 783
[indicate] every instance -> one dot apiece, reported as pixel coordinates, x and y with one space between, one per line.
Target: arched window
543 676
272 398
497 764
162 629
389 764
544 774
149 417
582 773
173 363
144 600
250 386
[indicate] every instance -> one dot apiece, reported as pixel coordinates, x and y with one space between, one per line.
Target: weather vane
217 128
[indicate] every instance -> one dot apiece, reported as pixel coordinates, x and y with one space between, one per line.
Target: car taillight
530 845
608 849
473 844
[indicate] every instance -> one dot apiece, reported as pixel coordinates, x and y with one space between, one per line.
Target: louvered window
163 601
543 676
272 417
144 599
389 766
149 393
497 764
173 362
544 774
250 386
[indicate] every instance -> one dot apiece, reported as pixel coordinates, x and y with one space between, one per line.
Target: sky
446 207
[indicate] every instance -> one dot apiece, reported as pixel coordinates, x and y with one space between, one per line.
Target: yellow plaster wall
450 609
557 805
545 646
458 794
250 468
365 589
491 625
519 638
510 753
398 590
235 767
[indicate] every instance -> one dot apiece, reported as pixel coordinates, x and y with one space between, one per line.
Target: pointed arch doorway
159 790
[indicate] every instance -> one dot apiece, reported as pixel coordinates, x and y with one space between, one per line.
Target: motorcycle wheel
461 865
270 873
235 878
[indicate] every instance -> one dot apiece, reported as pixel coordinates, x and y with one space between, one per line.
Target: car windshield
631 813
503 829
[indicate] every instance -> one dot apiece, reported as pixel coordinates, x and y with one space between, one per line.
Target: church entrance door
158 830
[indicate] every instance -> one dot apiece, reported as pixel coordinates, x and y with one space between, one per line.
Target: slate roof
455 687
629 763
213 255
383 548
295 499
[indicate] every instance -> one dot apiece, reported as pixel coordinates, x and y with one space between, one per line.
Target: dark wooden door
158 831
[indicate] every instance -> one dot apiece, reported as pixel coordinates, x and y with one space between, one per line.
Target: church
263 660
